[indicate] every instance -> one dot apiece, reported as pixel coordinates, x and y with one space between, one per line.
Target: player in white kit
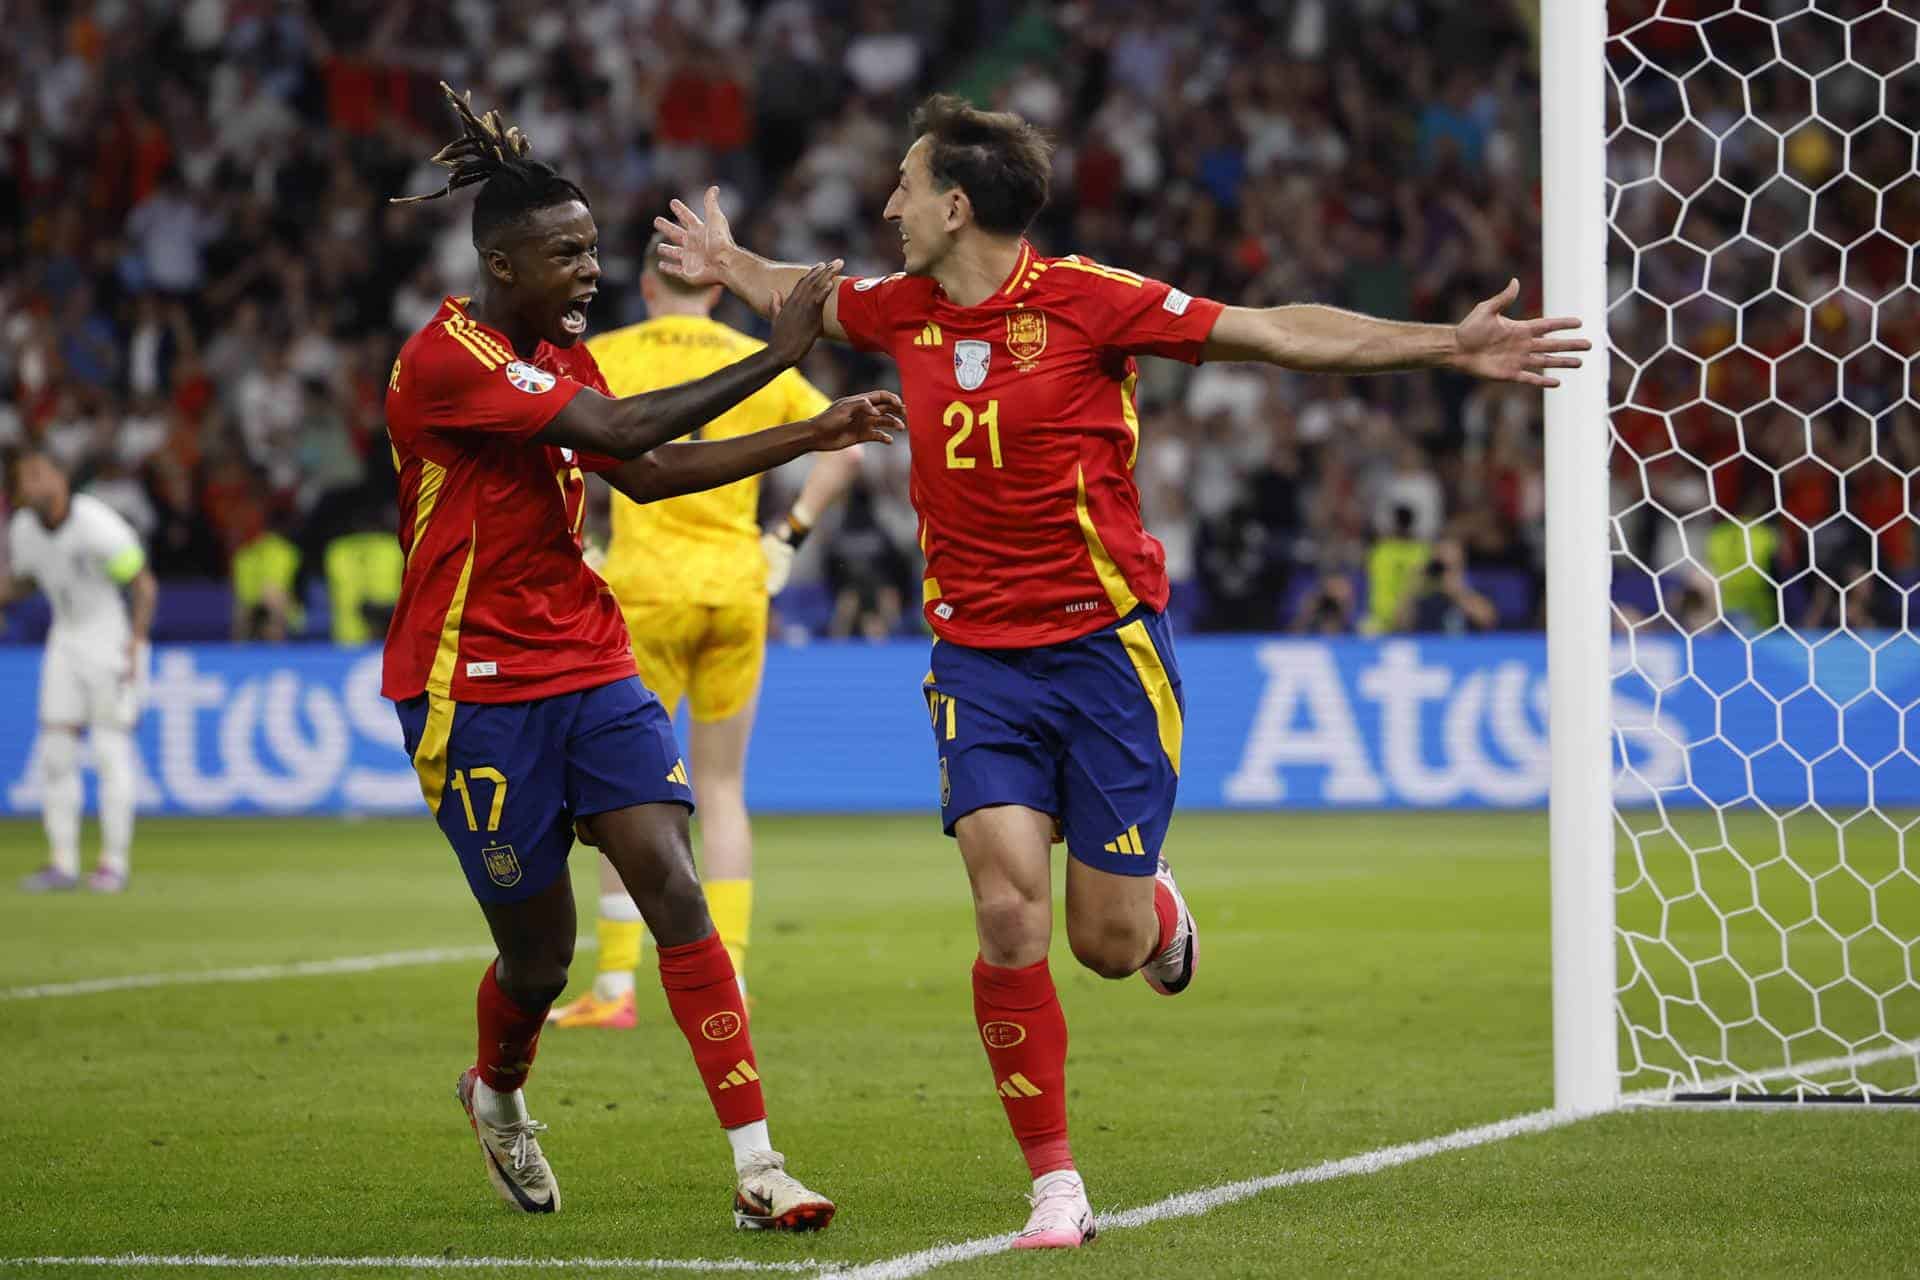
83 554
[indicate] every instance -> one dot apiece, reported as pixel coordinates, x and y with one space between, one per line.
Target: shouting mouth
574 318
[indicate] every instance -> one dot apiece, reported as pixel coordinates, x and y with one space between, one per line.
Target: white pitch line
260 972
416 1262
1194 1203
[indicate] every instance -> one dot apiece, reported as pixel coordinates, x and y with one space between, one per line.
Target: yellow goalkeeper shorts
711 655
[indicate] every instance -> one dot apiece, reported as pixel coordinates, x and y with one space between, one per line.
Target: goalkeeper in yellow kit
693 575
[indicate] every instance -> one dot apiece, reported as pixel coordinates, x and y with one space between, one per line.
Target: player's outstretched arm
701 250
627 428
692 466
1315 339
14 589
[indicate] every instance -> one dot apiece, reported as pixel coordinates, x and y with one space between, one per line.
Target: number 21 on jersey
962 416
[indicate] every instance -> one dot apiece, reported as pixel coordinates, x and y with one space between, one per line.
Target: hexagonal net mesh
1764 208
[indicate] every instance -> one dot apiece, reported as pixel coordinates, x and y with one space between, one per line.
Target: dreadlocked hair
491 151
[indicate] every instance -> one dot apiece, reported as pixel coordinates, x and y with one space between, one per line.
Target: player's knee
1013 926
677 913
536 981
1112 948
656 865
112 749
59 751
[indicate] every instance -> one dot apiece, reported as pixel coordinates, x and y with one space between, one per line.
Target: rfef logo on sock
1002 1035
721 1026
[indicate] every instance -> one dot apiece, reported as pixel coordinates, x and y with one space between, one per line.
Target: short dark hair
491 151
1003 163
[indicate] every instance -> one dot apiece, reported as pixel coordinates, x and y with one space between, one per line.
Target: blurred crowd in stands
202 286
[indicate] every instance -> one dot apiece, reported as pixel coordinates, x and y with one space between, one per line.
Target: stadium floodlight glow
1733 195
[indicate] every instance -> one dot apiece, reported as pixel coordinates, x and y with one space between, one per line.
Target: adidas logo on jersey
679 773
1127 842
929 336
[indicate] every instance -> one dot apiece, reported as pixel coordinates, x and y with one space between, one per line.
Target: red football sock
1025 1034
1167 911
705 1000
509 1036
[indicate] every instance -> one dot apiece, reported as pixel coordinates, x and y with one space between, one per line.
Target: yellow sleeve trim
125 565
473 348
1106 273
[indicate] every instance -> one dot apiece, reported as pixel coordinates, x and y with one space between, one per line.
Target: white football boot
769 1198
1061 1217
515 1165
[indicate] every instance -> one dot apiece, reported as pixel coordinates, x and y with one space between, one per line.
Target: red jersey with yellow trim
496 604
1021 416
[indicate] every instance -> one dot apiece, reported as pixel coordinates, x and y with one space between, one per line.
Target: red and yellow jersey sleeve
1139 315
877 311
463 380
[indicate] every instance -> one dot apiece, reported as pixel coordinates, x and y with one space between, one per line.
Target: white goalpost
1731 199
1586 1074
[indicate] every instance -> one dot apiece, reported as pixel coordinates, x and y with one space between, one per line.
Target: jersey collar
1022 265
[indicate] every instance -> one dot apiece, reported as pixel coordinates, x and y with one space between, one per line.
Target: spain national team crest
503 867
1026 337
970 360
529 378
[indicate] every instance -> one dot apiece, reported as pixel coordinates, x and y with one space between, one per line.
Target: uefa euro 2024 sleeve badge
530 378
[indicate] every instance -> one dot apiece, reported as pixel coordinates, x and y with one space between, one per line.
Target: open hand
695 247
1492 346
868 418
797 318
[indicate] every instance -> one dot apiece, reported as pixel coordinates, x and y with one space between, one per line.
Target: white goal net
1763 207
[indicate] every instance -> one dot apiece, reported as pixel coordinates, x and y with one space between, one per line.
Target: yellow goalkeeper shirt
702 548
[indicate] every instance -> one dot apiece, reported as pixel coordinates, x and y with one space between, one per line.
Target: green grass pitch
1367 980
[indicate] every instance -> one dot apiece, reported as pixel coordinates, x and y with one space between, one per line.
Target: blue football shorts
1087 731
506 780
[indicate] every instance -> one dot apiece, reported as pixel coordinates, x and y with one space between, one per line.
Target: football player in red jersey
509 662
1055 701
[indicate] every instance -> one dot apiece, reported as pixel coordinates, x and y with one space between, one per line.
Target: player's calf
1113 946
